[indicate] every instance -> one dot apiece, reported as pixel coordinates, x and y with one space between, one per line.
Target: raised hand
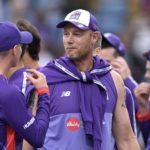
37 78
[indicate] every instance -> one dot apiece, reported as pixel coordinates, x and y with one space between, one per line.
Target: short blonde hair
99 42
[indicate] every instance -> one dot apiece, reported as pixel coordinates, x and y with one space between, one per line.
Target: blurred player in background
15 118
142 92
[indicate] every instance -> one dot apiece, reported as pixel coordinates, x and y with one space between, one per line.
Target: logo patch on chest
65 93
73 124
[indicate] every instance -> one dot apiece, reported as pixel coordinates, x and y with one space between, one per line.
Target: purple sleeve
148 143
131 84
130 108
33 129
145 128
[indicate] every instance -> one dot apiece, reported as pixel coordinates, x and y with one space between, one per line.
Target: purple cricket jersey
144 125
18 79
145 128
13 112
131 109
131 84
67 127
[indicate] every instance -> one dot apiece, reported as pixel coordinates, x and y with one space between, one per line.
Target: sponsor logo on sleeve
29 123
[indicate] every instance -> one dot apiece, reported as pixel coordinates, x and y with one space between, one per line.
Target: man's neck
29 62
13 69
84 65
5 65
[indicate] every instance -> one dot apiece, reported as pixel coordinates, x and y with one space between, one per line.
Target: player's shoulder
118 81
8 91
116 77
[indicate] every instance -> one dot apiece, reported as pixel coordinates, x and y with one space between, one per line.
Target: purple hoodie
13 112
91 94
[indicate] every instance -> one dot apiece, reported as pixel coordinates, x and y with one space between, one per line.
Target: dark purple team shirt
13 112
144 125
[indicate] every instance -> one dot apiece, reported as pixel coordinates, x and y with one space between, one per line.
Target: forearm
38 129
26 146
128 144
33 129
124 137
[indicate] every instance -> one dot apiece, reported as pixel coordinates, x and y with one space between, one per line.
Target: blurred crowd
130 20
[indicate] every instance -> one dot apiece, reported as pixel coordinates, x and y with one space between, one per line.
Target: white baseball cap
81 19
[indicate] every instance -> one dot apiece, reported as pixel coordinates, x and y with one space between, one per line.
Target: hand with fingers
142 93
37 78
120 65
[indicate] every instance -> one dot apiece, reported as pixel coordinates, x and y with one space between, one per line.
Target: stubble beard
78 58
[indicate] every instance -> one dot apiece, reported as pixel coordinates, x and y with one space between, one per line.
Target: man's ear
14 50
95 37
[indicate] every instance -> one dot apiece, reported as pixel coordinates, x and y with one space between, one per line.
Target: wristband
142 118
43 90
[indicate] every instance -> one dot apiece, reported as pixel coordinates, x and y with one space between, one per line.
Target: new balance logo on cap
65 94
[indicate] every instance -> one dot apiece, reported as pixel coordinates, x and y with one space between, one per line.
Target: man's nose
70 39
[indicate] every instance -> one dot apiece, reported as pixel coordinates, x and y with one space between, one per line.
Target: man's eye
77 33
65 33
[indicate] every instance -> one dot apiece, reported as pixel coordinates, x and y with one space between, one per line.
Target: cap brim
122 49
76 24
105 39
26 37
